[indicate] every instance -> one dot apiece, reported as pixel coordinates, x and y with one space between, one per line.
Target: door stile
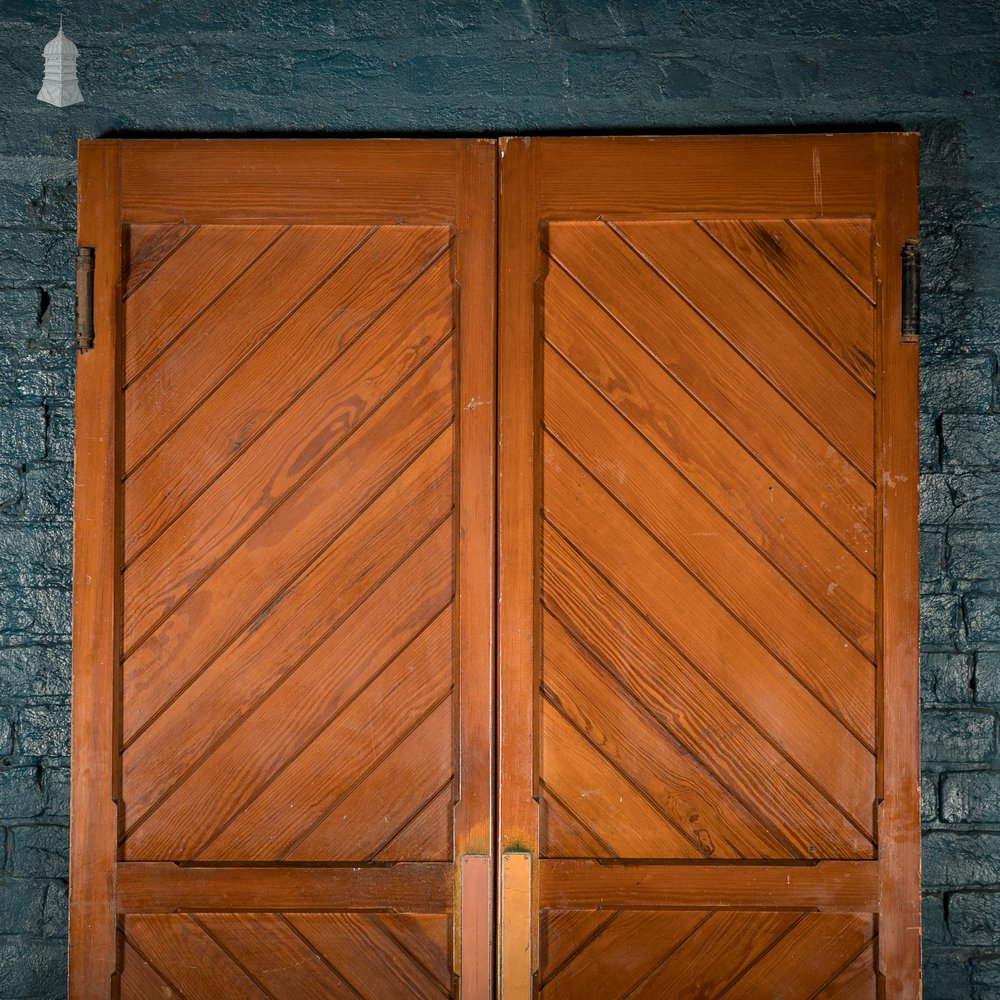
475 478
896 597
519 476
96 593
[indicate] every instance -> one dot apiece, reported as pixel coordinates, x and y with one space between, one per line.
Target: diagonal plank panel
308 610
710 458
847 244
189 281
750 319
727 720
804 281
710 637
147 246
289 539
683 343
233 772
267 382
207 350
427 834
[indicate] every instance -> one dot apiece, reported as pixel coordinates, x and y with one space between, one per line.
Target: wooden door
284 563
707 569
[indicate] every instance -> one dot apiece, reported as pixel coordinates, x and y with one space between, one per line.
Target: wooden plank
425 937
230 774
282 545
836 493
312 606
711 638
561 835
605 799
254 486
411 773
269 381
705 810
709 457
805 283
788 175
707 545
208 350
427 835
185 286
721 948
146 247
728 720
199 968
847 244
753 322
898 598
138 980
802 962
96 597
516 919
276 955
621 955
562 933
356 945
856 982
173 180
828 886
163 887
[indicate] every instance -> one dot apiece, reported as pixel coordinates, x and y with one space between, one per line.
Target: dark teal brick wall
310 67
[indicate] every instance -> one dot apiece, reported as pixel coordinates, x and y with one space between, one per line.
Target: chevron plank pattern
704 955
288 549
285 956
708 671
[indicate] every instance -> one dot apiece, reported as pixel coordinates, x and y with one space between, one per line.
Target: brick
958 735
940 615
987 678
986 977
945 678
971 797
34 256
932 560
35 554
59 434
36 613
40 851
974 554
928 798
958 385
930 455
32 967
959 860
11 488
48 489
982 618
976 498
974 917
22 433
43 731
22 903
55 781
34 672
21 795
936 502
970 441
947 976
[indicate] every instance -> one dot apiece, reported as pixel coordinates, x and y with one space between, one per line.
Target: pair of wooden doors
495 570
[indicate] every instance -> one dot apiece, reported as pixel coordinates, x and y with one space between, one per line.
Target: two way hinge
84 298
911 290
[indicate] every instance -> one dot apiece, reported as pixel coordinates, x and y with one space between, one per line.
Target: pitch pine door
690 770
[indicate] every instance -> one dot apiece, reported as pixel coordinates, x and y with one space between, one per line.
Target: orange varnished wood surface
696 649
298 555
641 401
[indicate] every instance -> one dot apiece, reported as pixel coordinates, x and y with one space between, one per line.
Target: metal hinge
84 298
911 290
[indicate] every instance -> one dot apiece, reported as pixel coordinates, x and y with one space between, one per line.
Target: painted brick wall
312 67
